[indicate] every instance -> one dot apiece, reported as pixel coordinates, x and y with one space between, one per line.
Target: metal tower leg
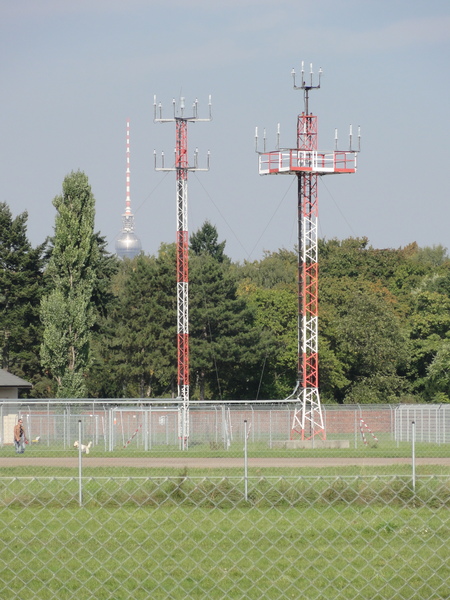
308 418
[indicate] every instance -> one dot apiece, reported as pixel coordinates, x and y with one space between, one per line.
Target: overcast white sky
72 72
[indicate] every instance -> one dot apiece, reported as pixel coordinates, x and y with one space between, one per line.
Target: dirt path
213 463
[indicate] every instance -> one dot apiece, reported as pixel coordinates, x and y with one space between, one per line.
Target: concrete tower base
311 444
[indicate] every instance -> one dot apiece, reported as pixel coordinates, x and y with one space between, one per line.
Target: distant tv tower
307 164
182 168
127 243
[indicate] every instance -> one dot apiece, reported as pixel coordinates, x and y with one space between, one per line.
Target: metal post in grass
270 428
48 423
245 462
150 422
413 451
224 435
397 425
80 470
110 428
167 429
438 425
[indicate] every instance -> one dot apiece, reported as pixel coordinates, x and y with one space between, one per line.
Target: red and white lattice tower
307 164
127 175
181 167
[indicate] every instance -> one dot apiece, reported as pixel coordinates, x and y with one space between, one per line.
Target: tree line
77 322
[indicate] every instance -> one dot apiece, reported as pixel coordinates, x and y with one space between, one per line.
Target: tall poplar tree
68 312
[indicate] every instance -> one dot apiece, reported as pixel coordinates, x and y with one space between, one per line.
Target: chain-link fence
234 514
155 425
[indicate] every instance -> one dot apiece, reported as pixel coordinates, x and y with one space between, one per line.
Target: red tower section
307 164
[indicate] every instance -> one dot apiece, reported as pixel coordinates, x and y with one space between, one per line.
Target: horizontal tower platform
288 161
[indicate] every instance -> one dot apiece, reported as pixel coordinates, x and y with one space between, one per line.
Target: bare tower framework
181 166
308 164
127 243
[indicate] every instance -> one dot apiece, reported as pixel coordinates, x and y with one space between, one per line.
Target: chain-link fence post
80 468
413 450
245 462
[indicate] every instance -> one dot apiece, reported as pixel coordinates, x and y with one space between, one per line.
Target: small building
11 384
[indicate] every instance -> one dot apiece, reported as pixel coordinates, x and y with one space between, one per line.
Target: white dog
83 447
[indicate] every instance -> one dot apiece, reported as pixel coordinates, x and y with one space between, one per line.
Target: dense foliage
384 327
21 288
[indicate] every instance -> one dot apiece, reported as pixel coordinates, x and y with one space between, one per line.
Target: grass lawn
330 533
385 447
178 552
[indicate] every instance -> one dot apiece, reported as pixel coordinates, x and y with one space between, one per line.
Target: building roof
9 380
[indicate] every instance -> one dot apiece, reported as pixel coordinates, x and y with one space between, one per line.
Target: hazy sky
73 71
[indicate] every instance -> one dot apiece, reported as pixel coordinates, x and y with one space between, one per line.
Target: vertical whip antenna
304 86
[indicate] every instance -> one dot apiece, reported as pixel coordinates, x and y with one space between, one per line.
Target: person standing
20 438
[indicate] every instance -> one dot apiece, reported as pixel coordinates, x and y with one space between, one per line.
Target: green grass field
325 534
385 447
178 552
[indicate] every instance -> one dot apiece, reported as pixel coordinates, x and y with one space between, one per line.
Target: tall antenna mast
127 189
127 243
182 168
307 164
